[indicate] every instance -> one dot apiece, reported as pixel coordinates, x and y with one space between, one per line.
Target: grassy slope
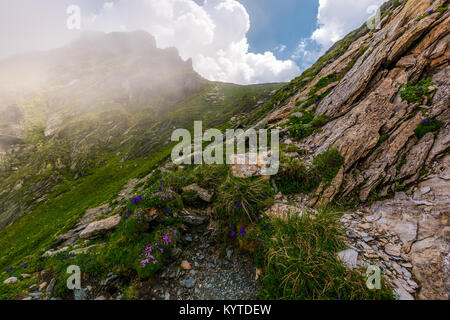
35 230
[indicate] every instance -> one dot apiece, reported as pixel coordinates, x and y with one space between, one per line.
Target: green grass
440 10
307 117
326 165
305 126
294 177
324 82
16 290
416 92
301 263
35 231
426 126
247 197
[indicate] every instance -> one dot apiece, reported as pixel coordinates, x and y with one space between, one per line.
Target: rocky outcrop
71 236
375 127
366 103
99 227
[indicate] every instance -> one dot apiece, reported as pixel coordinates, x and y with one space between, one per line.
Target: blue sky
280 23
239 41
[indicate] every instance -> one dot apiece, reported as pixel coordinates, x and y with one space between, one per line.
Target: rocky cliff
386 99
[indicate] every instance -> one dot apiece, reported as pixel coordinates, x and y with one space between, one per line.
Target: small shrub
300 131
427 126
293 177
416 93
246 197
319 121
327 164
167 200
306 118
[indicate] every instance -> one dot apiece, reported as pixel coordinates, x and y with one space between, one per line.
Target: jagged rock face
365 105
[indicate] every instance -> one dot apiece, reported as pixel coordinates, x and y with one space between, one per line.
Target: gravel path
216 272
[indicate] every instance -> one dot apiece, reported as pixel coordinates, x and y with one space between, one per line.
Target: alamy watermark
74 281
74 20
252 148
373 274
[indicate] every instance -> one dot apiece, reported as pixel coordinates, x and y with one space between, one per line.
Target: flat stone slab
98 227
349 258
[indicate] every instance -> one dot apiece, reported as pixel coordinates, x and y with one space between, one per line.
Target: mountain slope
102 99
363 181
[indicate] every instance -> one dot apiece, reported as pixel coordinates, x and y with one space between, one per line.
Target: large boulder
99 227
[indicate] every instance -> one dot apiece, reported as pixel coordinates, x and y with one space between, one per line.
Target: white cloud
338 17
212 34
335 19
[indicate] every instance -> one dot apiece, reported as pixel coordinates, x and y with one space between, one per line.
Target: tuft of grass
306 118
426 126
324 82
246 197
326 165
319 121
294 177
301 262
416 92
301 129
